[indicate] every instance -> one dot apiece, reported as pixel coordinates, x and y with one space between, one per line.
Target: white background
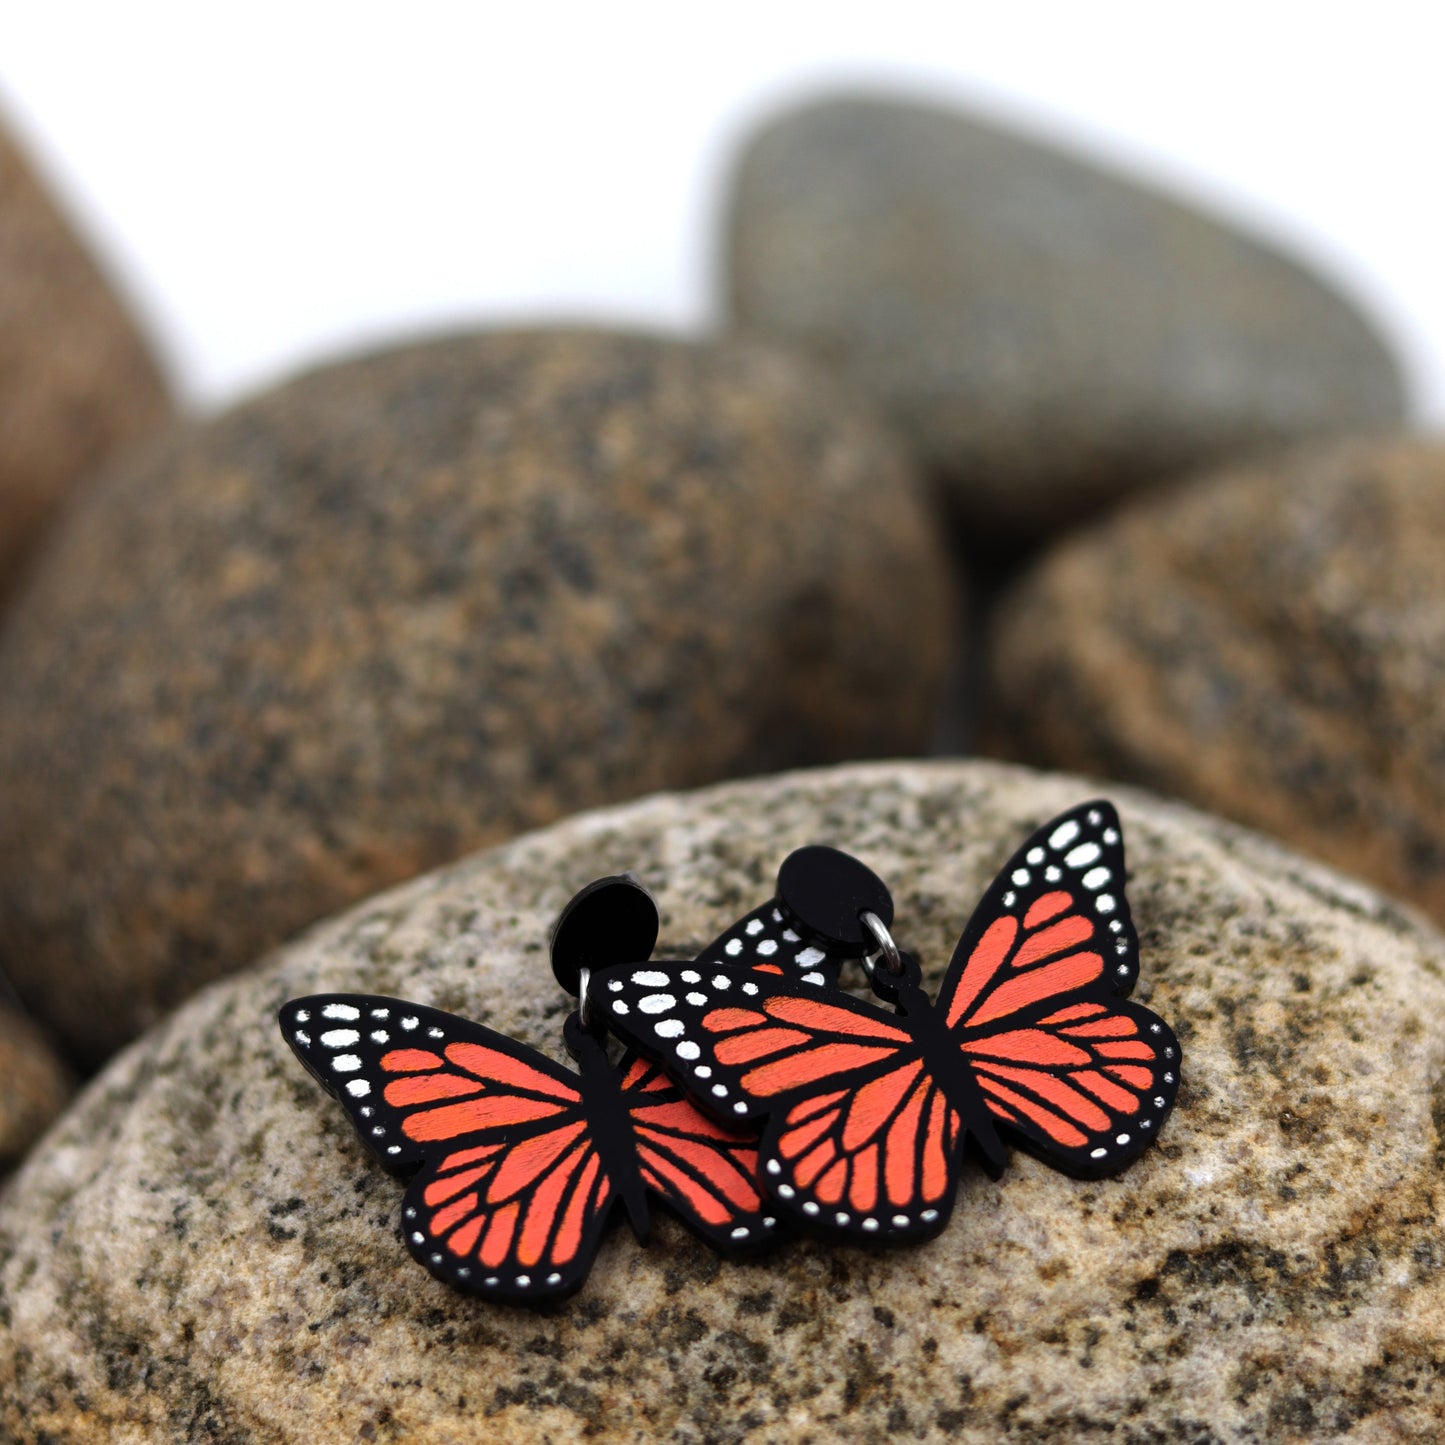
274 183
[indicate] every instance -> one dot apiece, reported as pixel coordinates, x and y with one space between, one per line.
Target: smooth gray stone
1048 334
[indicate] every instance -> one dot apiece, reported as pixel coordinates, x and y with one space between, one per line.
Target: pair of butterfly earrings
754 1095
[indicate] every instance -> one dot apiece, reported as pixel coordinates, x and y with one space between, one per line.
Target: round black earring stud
611 921
826 892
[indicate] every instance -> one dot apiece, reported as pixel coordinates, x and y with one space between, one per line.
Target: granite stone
415 603
1268 642
34 1086
78 385
1048 333
203 1250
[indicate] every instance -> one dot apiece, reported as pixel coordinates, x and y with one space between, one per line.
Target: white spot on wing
345 1063
649 978
358 1088
668 1028
733 947
340 1038
688 1050
340 1011
1064 834
1096 878
809 956
657 1003
1083 855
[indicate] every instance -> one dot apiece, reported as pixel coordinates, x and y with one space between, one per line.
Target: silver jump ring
887 949
582 985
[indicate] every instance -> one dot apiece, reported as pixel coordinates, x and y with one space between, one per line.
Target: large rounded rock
1269 642
204 1250
77 384
416 603
34 1086
1049 334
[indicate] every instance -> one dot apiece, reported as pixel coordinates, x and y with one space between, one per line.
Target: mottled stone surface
416 603
203 1251
34 1086
1268 642
1050 335
77 384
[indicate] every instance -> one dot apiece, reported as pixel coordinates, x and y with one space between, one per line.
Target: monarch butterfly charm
867 1113
517 1163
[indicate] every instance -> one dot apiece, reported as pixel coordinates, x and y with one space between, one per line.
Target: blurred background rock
412 604
77 383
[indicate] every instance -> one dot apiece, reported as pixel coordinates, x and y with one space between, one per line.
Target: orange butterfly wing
858 1138
511 1193
511 1197
706 1173
1034 996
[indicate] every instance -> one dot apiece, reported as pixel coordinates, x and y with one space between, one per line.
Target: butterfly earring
867 1113
517 1164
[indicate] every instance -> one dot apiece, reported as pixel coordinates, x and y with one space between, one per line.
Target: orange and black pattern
867 1113
516 1162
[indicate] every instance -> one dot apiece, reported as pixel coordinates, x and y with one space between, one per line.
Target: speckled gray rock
34 1086
416 603
202 1249
1048 334
77 384
1268 642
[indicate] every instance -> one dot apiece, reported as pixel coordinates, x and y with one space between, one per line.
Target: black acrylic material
611 921
826 892
1035 994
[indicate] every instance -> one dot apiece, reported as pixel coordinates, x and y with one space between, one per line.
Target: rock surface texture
416 603
1269 643
1048 334
34 1086
77 385
203 1250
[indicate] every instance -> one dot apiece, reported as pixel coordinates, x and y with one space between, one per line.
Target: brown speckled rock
77 384
1268 643
416 603
34 1086
202 1249
1049 334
